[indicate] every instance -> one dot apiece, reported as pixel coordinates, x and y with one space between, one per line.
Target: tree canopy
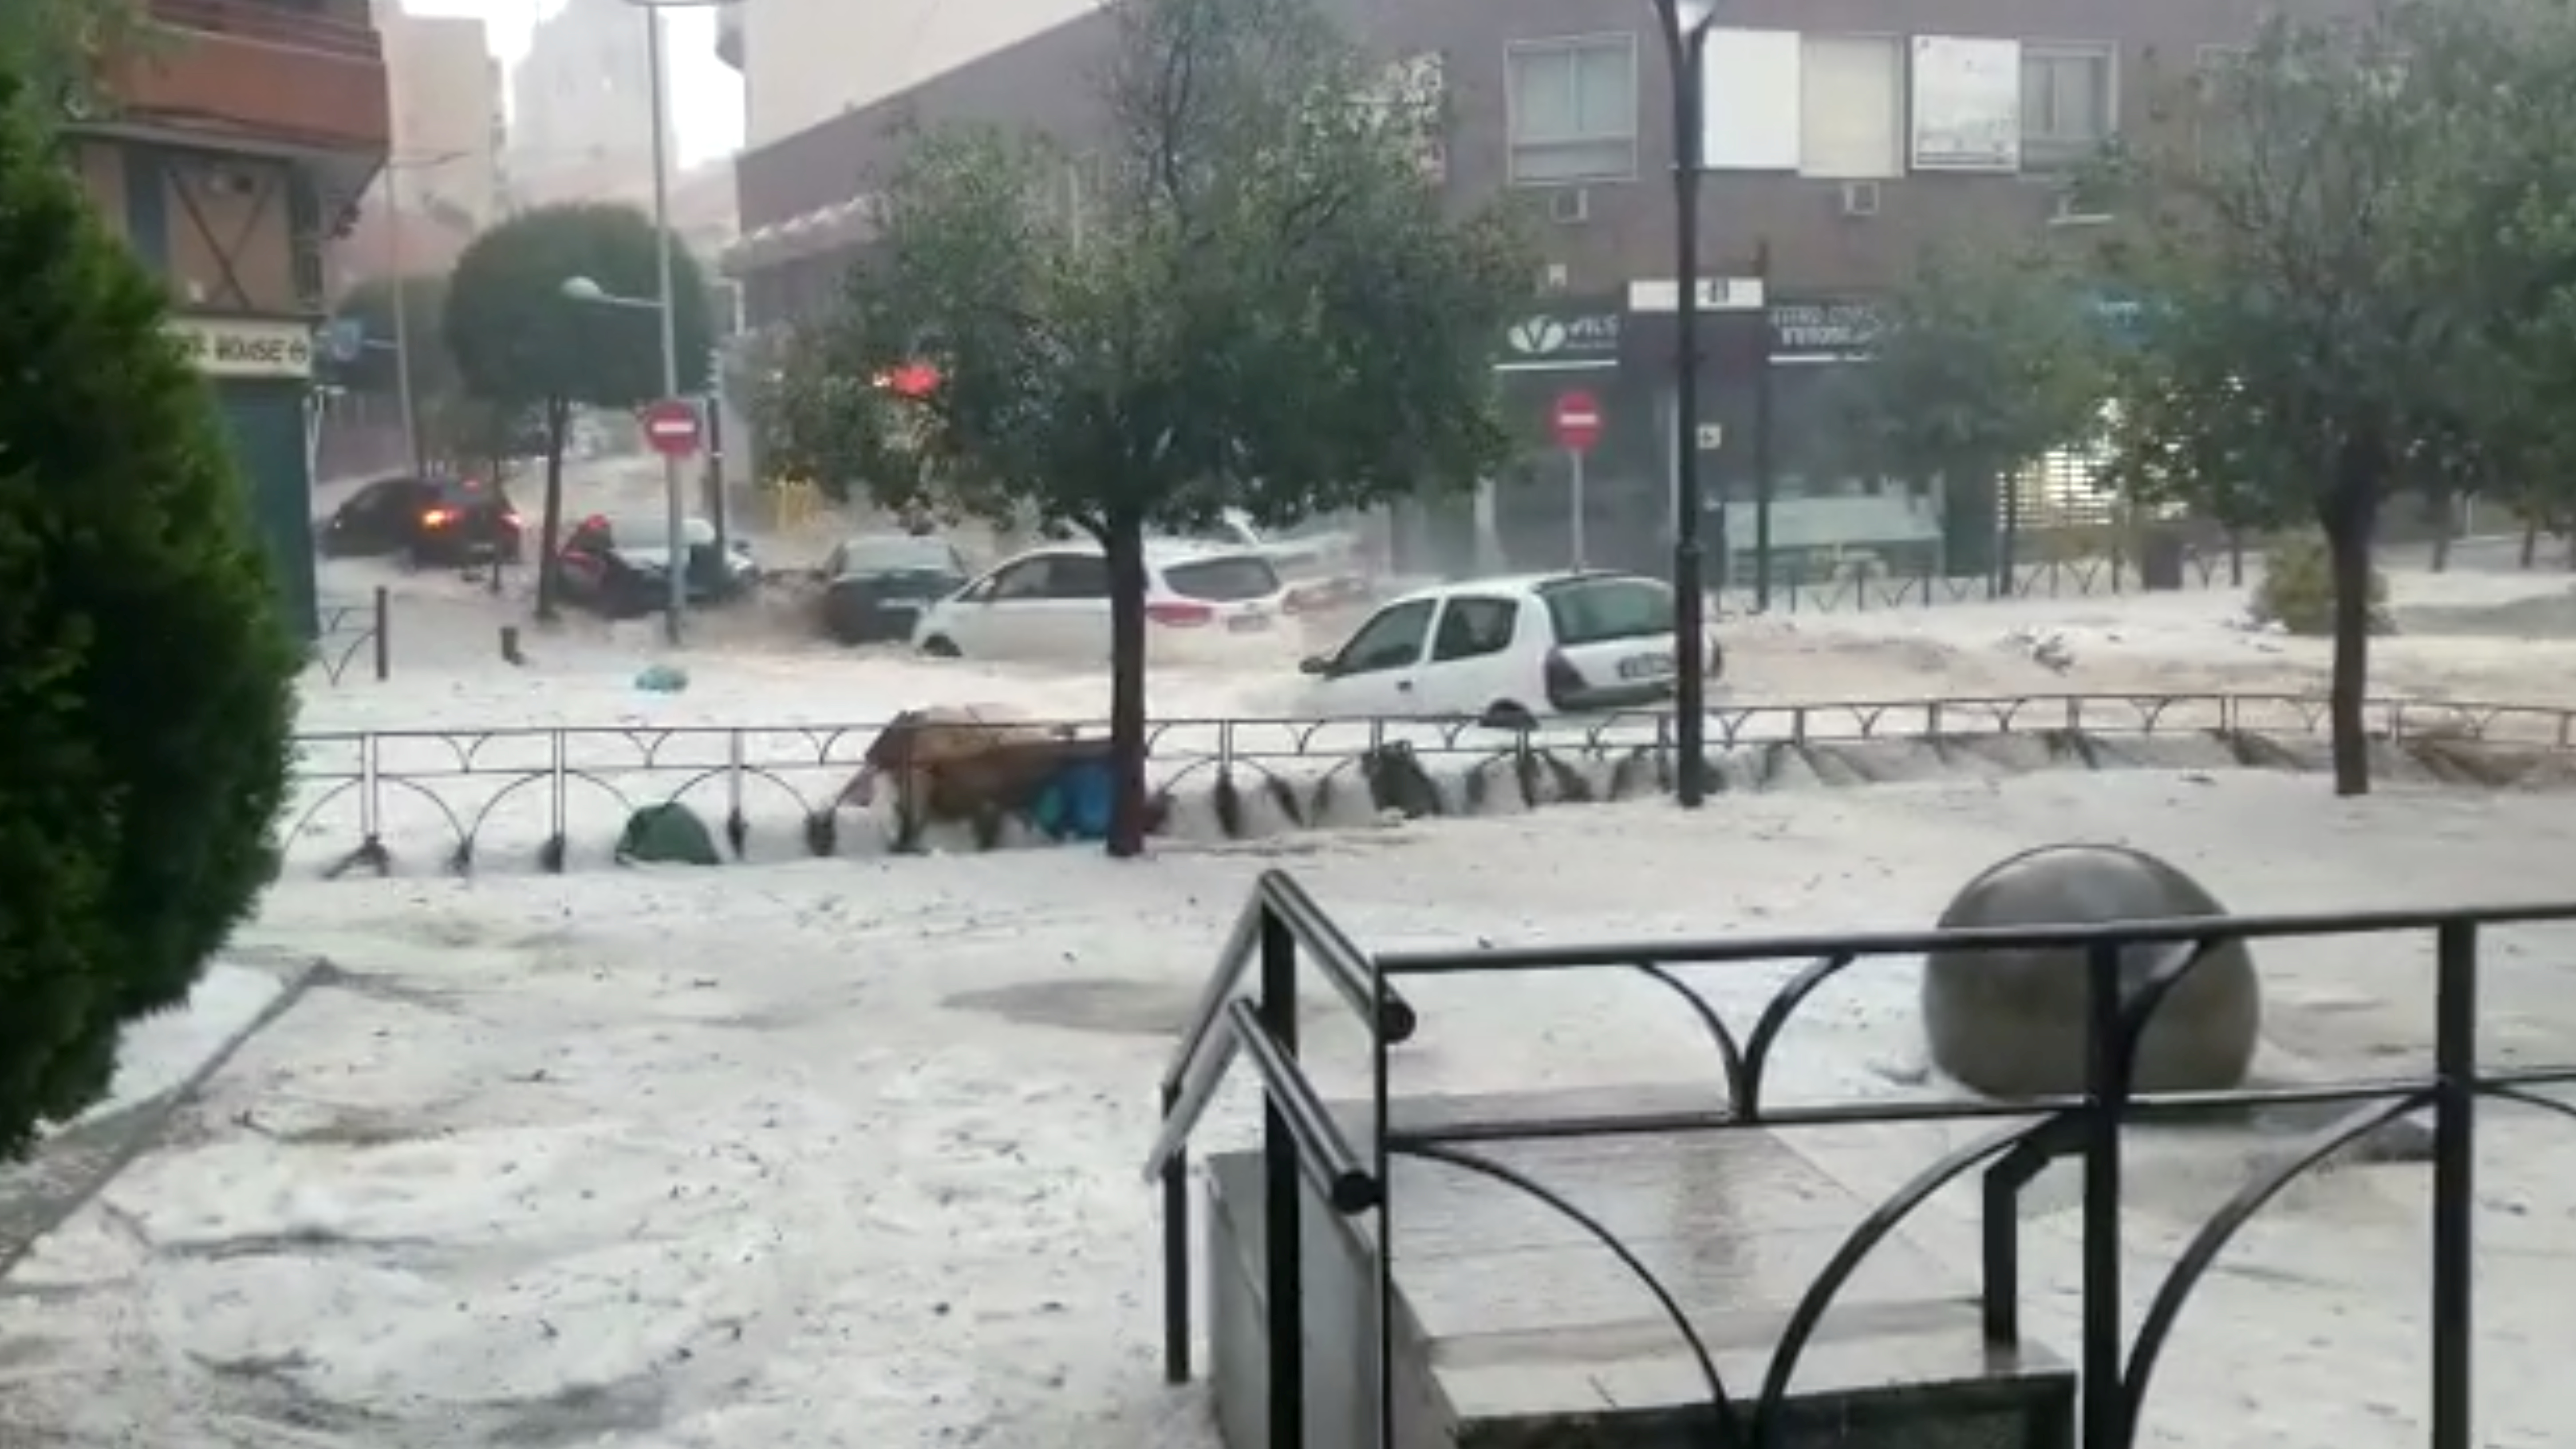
56 48
146 670
2351 242
1249 295
518 340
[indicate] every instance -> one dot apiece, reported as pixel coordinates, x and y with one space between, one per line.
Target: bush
2297 588
146 671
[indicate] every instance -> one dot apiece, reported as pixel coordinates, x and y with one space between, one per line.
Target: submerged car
426 522
621 566
875 586
1201 604
1509 650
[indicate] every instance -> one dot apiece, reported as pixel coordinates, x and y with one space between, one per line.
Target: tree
1251 297
59 51
2307 323
1986 358
523 346
146 668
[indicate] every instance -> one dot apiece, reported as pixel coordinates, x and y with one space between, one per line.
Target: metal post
1763 484
401 300
384 634
1282 1191
1578 504
719 508
2106 1073
1176 1256
2455 1050
672 483
1690 697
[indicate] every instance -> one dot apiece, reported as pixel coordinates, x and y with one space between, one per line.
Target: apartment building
240 145
805 61
581 106
1841 137
442 185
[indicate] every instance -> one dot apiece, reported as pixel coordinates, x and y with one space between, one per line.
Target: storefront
261 373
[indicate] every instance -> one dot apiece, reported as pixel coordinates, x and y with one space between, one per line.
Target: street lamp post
405 397
588 292
1686 24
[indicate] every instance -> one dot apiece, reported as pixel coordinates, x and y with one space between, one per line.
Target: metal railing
350 627
458 785
1302 1146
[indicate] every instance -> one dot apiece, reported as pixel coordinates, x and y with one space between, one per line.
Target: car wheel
1505 714
940 646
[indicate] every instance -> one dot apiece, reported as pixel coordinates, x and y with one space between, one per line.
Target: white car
1509 650
1323 559
1052 603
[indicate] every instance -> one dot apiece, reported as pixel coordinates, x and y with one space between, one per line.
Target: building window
1851 123
1573 109
2069 105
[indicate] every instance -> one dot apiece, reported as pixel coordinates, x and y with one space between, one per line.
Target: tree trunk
550 532
2350 521
1122 539
2445 521
2530 540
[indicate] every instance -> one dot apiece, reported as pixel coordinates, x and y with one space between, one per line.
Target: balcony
305 75
729 34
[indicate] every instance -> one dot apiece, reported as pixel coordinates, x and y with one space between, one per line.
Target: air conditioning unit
1860 198
1553 278
1569 206
2072 207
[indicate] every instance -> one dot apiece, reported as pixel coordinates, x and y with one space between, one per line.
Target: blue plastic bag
1074 805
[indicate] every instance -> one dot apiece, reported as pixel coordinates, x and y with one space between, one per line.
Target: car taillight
1181 615
1564 681
510 519
436 518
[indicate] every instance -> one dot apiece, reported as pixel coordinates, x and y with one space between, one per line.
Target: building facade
442 185
235 150
581 106
805 61
1842 137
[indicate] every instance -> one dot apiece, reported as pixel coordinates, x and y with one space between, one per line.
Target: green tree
58 50
2306 320
146 670
1250 297
1985 358
523 346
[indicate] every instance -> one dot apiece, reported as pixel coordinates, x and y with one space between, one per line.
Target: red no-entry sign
671 427
1576 421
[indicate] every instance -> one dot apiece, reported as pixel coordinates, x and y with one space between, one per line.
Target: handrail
1208 1044
1324 1154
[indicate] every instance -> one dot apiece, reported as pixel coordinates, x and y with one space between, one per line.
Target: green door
266 420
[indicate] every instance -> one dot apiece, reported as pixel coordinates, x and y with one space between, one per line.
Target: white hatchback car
1508 650
1052 603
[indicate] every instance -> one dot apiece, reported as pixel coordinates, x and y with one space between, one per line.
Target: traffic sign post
671 426
1576 422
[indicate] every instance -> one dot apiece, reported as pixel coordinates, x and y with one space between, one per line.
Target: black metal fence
363 794
351 629
1302 1143
1801 586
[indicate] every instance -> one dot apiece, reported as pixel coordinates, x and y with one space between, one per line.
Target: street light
401 298
1686 25
587 292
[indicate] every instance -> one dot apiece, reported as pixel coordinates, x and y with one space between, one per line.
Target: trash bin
2160 560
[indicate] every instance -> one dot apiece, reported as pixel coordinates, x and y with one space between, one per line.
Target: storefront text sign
242 347
1819 331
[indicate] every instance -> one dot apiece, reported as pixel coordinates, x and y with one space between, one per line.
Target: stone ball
2011 1024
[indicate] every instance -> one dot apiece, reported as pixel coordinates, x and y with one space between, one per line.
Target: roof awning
820 232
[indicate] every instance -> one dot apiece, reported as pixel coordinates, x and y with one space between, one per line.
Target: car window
1473 627
1392 640
384 496
1027 579
1228 580
1077 576
894 555
1598 610
654 531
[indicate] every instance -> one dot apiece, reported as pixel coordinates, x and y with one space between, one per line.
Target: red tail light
1564 681
437 518
511 518
1180 616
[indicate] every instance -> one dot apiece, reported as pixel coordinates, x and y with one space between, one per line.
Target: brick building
1842 136
239 145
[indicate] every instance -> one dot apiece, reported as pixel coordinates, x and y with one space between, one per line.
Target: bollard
384 635
510 644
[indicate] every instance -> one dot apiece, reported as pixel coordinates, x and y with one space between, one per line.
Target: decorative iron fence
1306 1148
348 630
1868 585
363 792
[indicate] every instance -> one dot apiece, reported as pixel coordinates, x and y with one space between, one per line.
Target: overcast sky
706 95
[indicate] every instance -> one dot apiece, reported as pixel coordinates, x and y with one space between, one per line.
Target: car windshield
1228 580
655 532
1598 610
469 493
897 555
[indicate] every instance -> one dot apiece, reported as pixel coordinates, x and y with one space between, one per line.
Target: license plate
1646 666
1248 623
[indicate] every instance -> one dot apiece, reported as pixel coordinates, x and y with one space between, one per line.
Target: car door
582 562
1076 626
369 520
1472 664
1374 672
1009 619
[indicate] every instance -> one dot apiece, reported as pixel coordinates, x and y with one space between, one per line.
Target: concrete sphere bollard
2011 1024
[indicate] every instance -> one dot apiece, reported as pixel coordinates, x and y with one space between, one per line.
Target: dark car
874 586
426 522
620 566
